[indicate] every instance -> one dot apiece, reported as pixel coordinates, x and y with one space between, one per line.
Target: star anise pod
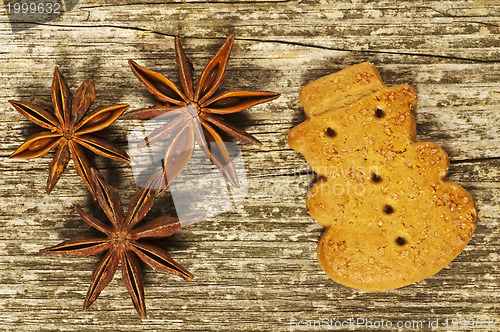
70 126
123 243
195 113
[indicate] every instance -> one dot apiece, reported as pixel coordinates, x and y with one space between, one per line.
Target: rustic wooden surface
255 265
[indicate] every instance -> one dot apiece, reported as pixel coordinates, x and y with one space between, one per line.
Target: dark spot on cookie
376 178
330 132
379 113
400 241
388 209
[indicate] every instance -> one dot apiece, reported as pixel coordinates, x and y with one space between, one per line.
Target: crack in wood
473 160
149 4
307 172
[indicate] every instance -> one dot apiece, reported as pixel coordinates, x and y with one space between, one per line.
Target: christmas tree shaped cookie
391 216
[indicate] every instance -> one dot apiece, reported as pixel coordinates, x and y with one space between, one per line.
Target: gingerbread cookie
391 217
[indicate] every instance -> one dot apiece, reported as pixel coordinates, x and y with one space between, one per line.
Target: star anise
69 125
194 113
123 243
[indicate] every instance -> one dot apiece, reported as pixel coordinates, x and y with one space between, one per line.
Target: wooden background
255 265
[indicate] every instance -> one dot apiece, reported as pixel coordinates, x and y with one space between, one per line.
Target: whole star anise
69 124
194 113
123 243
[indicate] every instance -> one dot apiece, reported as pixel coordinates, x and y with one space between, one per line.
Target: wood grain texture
255 265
